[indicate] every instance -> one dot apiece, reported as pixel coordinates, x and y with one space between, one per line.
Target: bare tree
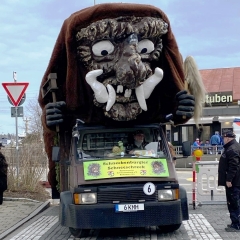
32 159
33 118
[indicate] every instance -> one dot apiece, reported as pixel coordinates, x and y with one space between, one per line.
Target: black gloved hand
54 113
186 103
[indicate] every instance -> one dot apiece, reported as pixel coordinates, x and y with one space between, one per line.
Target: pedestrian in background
201 145
196 144
3 174
215 140
229 177
207 147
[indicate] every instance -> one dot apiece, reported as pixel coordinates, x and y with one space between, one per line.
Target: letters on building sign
219 98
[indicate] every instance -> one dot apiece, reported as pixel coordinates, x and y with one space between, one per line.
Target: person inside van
138 142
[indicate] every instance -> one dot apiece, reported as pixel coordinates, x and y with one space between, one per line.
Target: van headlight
85 198
168 194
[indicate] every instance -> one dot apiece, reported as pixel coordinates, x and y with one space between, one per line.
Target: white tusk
151 82
111 97
119 88
98 88
140 97
128 93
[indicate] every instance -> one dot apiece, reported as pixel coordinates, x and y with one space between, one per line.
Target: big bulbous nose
130 70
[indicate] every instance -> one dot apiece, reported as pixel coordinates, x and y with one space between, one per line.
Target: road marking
37 229
198 227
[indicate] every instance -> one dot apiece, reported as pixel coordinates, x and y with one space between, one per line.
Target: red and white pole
194 185
197 157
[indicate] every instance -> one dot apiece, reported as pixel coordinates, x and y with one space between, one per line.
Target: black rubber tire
78 232
169 228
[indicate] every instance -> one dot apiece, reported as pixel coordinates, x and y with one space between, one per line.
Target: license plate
129 207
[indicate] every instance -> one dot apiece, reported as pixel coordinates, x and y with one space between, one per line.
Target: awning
202 120
227 118
205 120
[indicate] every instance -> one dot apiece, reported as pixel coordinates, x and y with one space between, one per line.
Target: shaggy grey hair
195 86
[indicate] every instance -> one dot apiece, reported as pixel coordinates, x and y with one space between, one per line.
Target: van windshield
121 143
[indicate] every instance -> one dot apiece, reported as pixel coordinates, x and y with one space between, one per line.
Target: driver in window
138 142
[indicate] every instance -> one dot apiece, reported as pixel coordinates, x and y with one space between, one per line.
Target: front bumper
104 216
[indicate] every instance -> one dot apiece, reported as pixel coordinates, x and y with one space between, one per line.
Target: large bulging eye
145 46
102 48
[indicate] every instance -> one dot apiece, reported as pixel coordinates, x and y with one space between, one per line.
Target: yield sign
15 91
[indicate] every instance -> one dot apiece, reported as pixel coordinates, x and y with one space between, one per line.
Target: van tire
169 228
78 232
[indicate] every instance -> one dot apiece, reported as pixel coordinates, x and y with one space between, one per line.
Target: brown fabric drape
72 87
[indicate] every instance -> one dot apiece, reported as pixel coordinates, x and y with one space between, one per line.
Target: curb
183 169
20 199
41 208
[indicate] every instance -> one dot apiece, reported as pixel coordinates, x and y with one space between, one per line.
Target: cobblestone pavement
15 212
206 222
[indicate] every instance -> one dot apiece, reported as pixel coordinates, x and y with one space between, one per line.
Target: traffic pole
194 185
16 123
196 157
17 155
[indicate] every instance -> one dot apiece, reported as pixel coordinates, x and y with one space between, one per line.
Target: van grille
125 196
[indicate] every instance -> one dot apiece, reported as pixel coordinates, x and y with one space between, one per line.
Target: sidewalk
16 211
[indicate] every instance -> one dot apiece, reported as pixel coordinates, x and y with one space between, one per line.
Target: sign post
197 154
15 92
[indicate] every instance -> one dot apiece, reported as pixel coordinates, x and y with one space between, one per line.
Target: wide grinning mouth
123 93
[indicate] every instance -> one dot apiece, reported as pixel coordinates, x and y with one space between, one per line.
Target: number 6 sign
149 188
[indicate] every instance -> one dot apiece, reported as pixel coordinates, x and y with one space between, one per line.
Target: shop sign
218 98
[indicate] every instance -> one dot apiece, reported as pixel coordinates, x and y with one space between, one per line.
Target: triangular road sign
15 91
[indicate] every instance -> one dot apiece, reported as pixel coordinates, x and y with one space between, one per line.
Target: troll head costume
118 63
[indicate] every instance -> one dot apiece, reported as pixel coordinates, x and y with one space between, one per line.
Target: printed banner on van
125 168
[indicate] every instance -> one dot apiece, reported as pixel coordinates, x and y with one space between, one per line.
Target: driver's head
139 136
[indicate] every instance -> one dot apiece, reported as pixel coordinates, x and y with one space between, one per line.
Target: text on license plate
129 207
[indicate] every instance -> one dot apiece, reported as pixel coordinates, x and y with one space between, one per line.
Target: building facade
221 107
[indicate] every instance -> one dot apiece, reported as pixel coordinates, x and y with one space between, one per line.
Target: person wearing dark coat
3 175
229 177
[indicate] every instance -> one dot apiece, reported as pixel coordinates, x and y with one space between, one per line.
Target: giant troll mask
116 63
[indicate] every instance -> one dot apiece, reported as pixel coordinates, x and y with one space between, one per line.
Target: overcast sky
206 29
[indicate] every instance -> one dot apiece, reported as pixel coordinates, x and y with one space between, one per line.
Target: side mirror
186 148
55 154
